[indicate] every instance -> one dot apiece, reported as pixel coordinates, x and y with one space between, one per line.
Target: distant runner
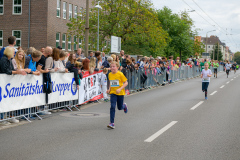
228 68
205 75
215 67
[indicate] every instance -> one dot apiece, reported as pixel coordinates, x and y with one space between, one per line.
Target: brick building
39 23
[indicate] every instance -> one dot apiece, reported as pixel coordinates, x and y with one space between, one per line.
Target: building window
1 7
59 8
57 39
64 10
70 11
17 6
81 11
18 35
1 39
75 11
69 43
63 41
75 42
208 46
80 43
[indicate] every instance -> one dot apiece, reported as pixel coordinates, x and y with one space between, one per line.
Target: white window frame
65 10
75 43
2 5
1 38
70 11
59 8
75 11
58 41
18 39
70 43
64 41
17 5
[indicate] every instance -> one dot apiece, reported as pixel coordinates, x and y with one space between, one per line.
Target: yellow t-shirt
116 81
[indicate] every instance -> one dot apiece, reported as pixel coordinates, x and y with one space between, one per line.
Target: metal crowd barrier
148 78
137 80
28 113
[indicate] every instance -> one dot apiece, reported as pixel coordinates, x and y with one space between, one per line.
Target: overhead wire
220 28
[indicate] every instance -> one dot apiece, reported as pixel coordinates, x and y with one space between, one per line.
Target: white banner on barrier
64 88
19 92
90 87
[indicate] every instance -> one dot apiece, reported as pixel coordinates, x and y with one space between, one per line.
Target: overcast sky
224 17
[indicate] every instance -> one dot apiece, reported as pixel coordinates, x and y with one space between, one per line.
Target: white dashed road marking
222 86
164 129
213 93
197 105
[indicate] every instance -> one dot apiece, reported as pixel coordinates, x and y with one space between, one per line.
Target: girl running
117 84
205 75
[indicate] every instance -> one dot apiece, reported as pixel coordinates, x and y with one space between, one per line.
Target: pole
29 20
87 29
218 51
98 30
206 43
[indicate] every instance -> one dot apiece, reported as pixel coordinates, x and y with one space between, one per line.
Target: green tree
181 41
237 57
217 53
134 21
198 47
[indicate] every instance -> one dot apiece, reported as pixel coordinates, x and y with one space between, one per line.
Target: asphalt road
174 122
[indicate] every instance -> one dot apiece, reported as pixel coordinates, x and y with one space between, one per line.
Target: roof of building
212 40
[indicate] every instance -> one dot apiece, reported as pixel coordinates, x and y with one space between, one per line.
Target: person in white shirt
228 67
104 84
205 75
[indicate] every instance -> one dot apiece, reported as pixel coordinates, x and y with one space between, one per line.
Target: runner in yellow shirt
118 82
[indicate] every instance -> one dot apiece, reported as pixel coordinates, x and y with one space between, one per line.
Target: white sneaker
46 112
14 120
5 123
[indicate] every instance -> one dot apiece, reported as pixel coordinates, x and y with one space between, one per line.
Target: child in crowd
117 84
205 75
19 61
104 84
78 66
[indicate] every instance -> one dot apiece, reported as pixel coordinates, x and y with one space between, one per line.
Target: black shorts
215 70
227 71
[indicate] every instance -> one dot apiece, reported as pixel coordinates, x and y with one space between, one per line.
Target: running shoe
206 98
111 125
125 108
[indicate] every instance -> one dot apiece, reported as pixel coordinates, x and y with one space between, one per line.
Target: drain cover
84 114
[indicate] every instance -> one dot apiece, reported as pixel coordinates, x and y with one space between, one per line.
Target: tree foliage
237 57
134 21
143 30
179 29
198 48
217 53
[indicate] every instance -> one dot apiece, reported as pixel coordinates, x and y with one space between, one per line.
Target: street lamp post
206 42
98 7
87 29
